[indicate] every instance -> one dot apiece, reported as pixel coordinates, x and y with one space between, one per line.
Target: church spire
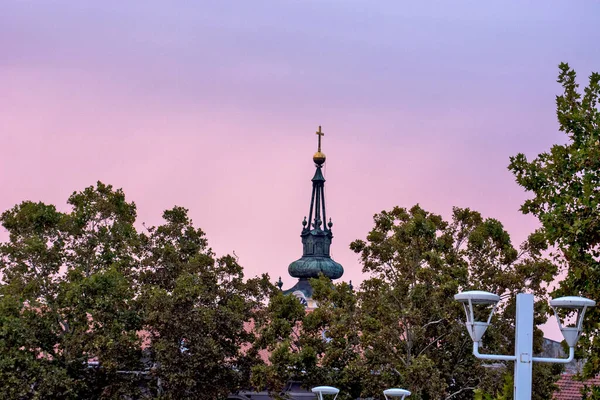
316 232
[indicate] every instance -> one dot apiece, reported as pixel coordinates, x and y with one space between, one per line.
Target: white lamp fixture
401 393
472 299
523 357
321 390
577 304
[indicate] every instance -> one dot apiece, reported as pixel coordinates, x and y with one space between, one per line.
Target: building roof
570 389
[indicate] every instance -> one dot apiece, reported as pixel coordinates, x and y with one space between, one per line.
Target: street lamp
578 305
321 390
473 301
401 393
479 299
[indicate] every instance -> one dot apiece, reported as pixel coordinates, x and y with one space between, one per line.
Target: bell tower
316 238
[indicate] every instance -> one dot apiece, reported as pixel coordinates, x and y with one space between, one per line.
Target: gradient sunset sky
213 105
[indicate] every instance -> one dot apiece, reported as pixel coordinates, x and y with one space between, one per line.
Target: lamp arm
557 360
477 354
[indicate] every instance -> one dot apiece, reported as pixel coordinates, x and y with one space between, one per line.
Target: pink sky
213 106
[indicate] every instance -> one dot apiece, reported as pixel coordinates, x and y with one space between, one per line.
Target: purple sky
213 106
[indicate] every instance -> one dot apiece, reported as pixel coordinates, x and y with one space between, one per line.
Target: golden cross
320 134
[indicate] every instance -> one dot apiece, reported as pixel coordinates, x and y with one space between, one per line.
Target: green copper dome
310 267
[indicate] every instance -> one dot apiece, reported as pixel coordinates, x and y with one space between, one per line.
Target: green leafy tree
314 347
279 335
590 393
199 312
402 328
67 297
418 261
92 309
565 184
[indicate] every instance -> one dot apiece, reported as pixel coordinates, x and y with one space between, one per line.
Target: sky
213 105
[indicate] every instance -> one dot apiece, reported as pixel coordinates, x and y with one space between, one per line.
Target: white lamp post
523 356
321 390
401 393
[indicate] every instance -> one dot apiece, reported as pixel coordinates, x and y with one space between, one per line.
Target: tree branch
460 391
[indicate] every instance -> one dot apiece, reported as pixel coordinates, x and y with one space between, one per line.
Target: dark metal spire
316 232
317 202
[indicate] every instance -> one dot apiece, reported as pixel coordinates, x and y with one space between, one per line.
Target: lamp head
321 390
481 300
401 393
572 304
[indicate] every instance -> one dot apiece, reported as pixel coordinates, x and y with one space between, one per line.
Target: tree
313 347
90 308
402 328
418 262
67 297
590 393
198 311
565 184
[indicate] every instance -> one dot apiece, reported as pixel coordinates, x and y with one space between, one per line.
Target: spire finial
319 157
279 283
320 134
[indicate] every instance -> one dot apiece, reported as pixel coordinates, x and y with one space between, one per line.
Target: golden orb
319 158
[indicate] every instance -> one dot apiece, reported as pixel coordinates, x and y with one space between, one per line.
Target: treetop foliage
565 186
402 327
92 308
